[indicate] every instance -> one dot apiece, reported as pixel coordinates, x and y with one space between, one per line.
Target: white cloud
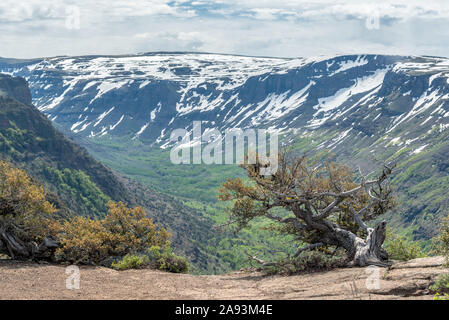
33 28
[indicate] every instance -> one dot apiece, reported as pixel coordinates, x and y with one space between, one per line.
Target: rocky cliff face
15 87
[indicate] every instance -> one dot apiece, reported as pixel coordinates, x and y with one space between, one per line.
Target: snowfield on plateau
146 96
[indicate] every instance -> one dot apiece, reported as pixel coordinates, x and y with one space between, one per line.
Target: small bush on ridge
442 284
441 245
402 249
123 231
161 258
131 262
164 258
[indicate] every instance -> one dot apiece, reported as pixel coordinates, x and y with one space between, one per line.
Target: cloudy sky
288 28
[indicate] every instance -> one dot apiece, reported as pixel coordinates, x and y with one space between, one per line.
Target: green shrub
131 262
402 249
441 285
442 241
156 257
163 258
27 219
306 262
122 232
444 297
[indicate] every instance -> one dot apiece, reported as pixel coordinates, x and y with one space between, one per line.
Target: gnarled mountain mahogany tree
328 206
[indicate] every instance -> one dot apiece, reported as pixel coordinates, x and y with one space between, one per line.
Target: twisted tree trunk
17 249
365 252
360 252
372 253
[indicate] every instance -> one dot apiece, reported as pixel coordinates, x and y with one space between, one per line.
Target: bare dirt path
408 280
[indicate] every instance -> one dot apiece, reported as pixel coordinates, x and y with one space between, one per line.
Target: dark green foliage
161 258
441 243
78 190
28 140
444 297
442 284
131 262
400 248
152 166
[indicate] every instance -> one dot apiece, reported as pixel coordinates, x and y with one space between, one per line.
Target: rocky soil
406 280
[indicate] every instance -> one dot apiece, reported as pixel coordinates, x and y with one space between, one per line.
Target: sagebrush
31 229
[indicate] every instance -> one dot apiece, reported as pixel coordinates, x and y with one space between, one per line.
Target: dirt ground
408 280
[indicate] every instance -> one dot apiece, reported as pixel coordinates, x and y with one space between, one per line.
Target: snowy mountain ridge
366 109
144 96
